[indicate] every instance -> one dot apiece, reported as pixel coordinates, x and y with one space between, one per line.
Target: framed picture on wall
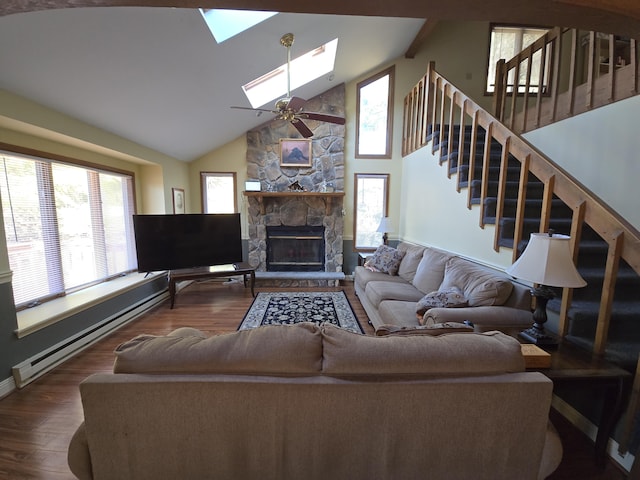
295 152
178 200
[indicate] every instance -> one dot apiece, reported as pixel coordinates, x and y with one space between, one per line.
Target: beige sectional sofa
294 402
391 296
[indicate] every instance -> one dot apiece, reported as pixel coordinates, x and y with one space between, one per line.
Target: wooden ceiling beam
421 36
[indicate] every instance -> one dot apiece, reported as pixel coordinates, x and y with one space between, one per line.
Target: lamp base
539 337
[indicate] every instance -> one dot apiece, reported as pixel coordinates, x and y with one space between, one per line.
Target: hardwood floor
37 422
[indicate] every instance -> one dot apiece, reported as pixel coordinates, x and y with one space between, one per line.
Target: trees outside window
370 205
374 114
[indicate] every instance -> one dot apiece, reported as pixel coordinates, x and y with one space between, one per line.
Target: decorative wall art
178 200
295 152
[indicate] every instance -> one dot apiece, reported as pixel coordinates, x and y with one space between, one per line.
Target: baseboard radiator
36 366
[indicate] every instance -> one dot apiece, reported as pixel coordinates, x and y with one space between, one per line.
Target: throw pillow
385 259
450 298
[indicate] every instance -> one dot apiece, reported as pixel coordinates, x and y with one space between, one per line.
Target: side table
201 273
572 365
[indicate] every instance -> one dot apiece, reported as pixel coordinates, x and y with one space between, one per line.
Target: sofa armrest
484 316
78 455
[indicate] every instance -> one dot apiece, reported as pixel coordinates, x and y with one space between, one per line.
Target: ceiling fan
291 108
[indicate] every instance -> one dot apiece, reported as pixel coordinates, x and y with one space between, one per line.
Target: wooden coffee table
572 365
202 273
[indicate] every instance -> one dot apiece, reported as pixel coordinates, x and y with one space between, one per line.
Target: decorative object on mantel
295 187
295 152
384 228
290 108
547 262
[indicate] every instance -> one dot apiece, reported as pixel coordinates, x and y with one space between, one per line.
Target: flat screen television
170 242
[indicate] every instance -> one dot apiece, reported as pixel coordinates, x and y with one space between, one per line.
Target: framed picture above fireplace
295 152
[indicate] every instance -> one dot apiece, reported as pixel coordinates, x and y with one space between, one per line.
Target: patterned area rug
275 308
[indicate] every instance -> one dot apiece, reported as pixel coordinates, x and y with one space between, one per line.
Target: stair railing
577 71
435 101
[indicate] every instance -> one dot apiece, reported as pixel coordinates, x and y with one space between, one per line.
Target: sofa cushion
450 298
268 350
478 284
364 276
347 353
385 259
377 292
430 271
410 261
398 313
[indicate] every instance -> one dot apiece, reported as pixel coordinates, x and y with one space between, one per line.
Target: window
225 24
370 205
505 43
67 226
304 69
218 192
374 115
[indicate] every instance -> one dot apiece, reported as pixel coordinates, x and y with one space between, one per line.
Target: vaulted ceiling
157 77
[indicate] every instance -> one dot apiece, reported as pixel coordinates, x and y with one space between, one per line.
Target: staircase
623 345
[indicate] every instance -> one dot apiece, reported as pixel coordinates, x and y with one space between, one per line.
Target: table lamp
384 228
547 262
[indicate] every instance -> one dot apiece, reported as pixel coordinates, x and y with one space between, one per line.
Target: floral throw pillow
450 298
385 259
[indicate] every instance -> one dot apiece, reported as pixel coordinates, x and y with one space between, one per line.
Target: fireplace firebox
295 249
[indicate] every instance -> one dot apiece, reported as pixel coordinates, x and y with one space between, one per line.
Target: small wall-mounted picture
178 200
295 152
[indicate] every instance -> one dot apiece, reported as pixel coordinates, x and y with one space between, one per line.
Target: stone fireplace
318 206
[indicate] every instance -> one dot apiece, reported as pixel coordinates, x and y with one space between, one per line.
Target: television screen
170 242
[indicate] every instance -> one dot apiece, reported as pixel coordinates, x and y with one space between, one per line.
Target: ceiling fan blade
296 103
255 109
321 117
302 128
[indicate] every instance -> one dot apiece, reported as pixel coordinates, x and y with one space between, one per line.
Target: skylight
304 69
225 24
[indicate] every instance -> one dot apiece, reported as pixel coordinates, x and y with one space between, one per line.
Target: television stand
201 273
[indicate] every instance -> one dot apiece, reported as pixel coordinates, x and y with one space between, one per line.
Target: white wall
434 213
601 149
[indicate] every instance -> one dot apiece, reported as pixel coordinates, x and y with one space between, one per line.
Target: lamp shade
547 261
385 225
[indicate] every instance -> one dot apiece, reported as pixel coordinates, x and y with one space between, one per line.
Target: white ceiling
157 77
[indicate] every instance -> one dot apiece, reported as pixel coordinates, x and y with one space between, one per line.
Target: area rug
278 308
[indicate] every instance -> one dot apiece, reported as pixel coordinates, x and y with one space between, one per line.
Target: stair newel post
499 90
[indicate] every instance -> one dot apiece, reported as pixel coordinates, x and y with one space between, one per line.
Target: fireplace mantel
260 196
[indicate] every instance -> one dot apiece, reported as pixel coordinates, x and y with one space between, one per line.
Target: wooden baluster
577 222
502 185
485 170
520 208
608 290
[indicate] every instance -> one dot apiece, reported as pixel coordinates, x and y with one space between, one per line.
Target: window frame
385 207
547 80
390 96
203 188
54 245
